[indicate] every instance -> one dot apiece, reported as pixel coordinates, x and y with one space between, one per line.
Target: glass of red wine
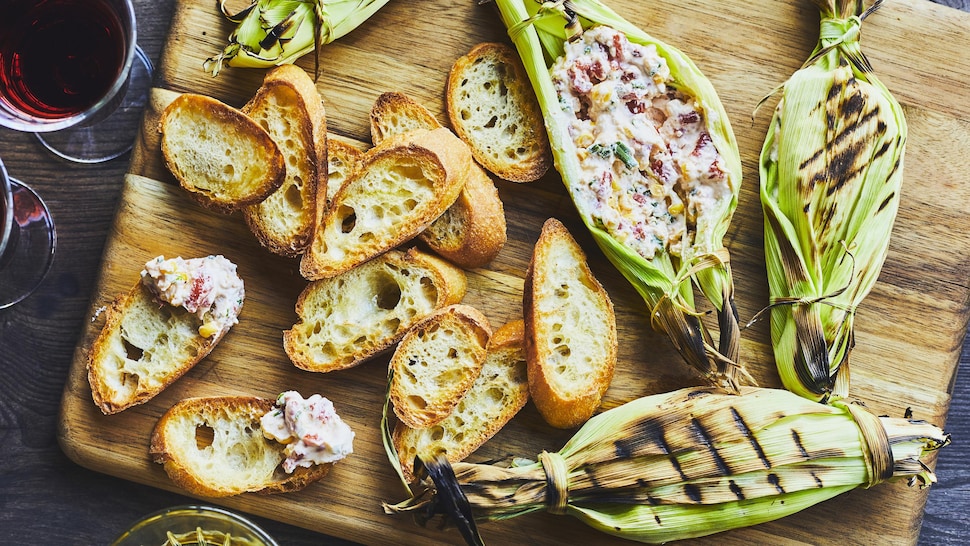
72 73
26 240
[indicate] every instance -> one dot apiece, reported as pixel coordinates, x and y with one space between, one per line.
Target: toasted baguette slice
288 106
343 159
493 108
395 113
143 347
352 317
436 363
399 189
215 447
224 159
473 230
570 330
501 390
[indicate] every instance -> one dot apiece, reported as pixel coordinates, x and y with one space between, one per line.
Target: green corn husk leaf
831 169
689 463
275 32
664 280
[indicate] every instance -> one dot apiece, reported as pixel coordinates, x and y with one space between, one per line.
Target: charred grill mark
693 492
798 443
653 501
773 480
885 202
707 440
818 481
736 489
882 150
844 166
645 433
591 475
743 427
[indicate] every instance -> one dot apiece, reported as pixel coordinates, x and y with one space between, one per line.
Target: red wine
58 57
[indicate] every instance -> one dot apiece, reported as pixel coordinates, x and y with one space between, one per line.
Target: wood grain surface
900 331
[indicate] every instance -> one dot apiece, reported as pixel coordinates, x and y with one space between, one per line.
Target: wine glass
26 240
66 67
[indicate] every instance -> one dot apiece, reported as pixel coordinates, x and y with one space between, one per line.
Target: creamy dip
311 429
649 168
207 287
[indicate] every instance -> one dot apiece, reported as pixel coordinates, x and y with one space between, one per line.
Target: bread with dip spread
499 393
169 321
288 106
399 188
493 108
224 446
570 330
219 155
436 363
473 229
349 318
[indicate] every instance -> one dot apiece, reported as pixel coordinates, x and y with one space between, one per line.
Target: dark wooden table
46 498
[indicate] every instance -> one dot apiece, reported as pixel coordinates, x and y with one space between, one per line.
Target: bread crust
197 131
451 343
500 121
473 230
426 275
305 128
117 385
571 339
360 224
395 113
173 441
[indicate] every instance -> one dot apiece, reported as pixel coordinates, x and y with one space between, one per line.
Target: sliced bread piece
399 189
436 363
343 158
395 113
146 344
288 106
224 159
215 447
352 317
473 230
501 390
493 108
570 330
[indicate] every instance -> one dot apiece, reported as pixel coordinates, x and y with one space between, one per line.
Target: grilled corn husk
275 32
688 463
831 170
689 249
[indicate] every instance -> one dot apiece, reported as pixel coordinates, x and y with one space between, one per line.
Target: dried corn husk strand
275 32
675 242
689 463
831 170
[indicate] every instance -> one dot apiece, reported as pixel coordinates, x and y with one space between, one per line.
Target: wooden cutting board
909 330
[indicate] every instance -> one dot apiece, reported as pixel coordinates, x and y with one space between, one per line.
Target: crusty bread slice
395 113
343 159
501 390
143 348
224 159
436 363
473 230
289 107
352 317
399 189
493 108
215 447
570 330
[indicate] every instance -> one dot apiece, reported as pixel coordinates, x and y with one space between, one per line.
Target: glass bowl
194 525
